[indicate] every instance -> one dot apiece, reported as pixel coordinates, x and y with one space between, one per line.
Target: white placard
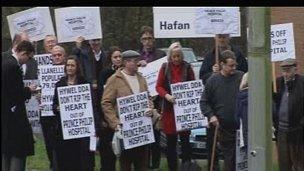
188 22
48 76
241 155
150 73
187 108
76 111
32 109
137 129
43 59
282 42
36 22
73 22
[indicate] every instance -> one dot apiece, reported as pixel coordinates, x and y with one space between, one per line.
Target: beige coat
117 86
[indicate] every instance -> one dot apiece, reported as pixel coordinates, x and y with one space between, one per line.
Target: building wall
295 15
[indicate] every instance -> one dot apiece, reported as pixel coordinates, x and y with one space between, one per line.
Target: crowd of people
114 73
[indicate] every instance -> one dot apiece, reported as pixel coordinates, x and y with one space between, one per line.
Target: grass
39 162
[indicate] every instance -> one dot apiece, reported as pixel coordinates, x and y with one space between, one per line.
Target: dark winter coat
16 132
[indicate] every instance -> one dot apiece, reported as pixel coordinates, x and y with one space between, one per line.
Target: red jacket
177 73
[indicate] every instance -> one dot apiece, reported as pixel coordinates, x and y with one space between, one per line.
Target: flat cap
130 54
287 63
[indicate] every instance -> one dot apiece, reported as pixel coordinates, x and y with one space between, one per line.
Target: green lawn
39 161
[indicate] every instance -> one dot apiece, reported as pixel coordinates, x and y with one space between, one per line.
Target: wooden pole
216 50
274 78
213 148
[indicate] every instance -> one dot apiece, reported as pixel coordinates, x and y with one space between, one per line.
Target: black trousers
107 156
155 151
171 150
48 132
227 139
210 138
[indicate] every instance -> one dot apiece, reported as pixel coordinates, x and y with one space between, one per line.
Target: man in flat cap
289 117
126 81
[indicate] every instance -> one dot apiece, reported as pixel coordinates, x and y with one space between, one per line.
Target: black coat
295 102
209 60
73 154
16 132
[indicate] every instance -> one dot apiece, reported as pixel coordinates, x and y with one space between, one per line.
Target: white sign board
241 154
137 129
187 107
76 111
282 42
73 22
43 59
48 76
150 73
32 109
187 22
36 22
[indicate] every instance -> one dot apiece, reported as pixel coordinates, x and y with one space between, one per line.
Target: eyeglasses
147 38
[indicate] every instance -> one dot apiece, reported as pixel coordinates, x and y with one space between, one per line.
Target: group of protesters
113 74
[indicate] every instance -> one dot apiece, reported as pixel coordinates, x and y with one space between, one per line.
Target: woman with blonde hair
174 71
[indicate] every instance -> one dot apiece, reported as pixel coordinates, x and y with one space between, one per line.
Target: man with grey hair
49 42
126 81
218 103
289 117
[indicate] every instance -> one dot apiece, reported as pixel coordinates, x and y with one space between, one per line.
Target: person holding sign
71 154
17 141
218 103
210 66
148 54
126 81
174 71
289 117
108 158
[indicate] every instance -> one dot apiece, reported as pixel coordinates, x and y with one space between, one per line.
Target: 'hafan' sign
187 109
282 42
150 73
73 22
137 129
76 111
32 109
36 22
179 22
48 76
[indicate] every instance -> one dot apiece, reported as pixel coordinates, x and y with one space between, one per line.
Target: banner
241 154
187 107
36 22
193 22
73 22
282 42
32 109
150 73
76 111
48 76
137 129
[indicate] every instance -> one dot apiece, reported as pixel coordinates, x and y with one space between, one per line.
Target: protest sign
187 109
73 22
32 109
48 76
137 129
43 59
36 22
282 42
241 154
76 111
187 22
150 73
